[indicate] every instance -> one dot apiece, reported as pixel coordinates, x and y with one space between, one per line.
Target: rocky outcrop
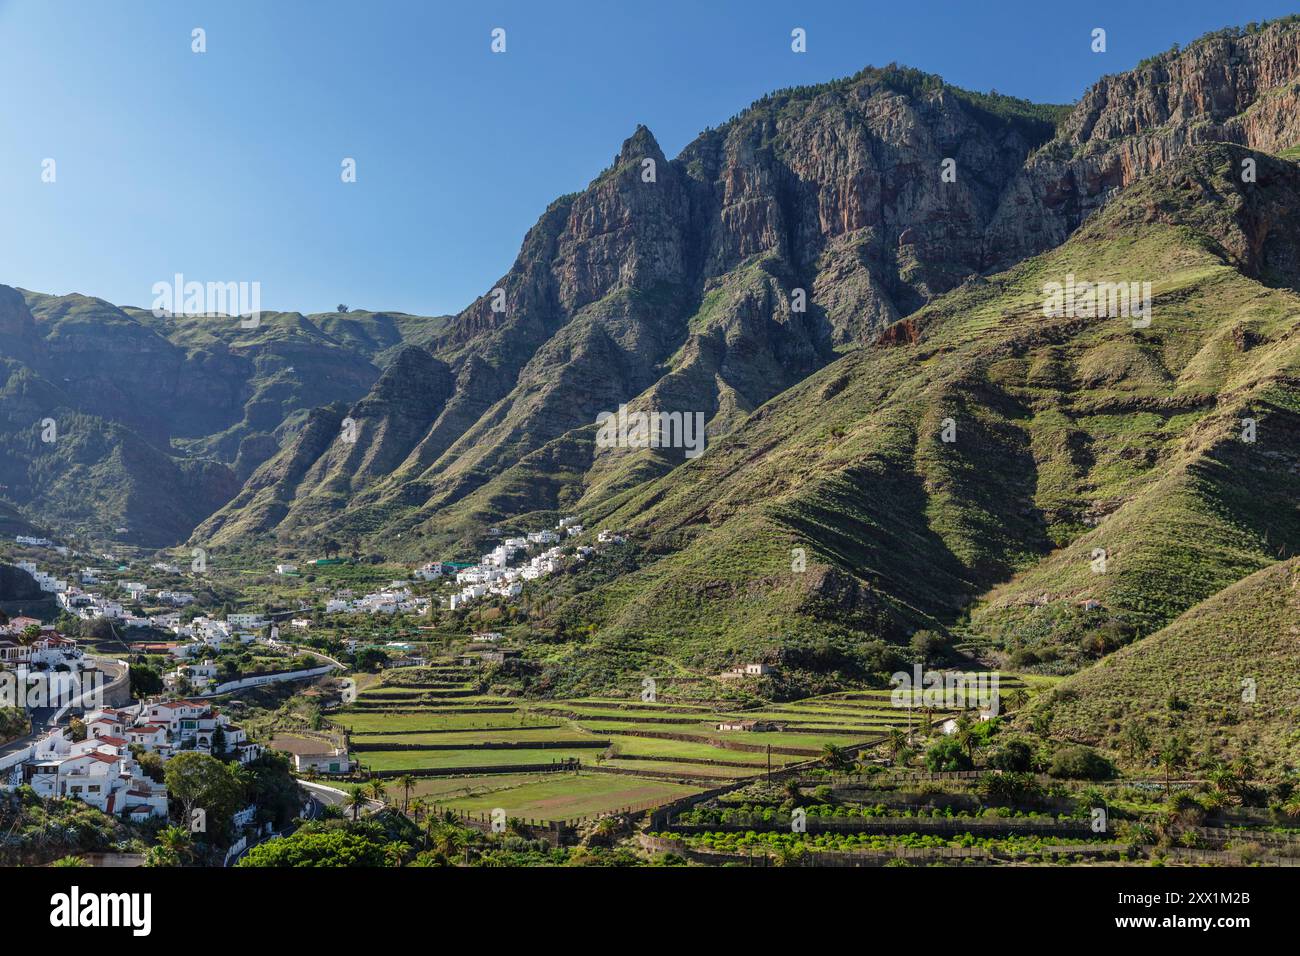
703 284
1234 86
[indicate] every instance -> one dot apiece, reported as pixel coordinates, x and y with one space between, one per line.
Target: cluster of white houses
494 574
394 599
89 605
101 769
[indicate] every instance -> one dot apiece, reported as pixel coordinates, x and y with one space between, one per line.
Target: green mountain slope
1221 675
1071 434
705 284
158 420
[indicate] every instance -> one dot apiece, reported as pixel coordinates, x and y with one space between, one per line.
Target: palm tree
896 742
407 783
176 841
964 734
1222 778
446 838
927 717
1243 771
1173 756
1292 806
394 853
377 789
419 807
356 801
834 757
1019 698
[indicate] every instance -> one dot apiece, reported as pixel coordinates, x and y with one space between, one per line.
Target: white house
253 621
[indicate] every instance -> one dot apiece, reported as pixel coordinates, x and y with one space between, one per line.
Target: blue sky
225 165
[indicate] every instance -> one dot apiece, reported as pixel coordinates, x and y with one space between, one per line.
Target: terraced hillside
551 759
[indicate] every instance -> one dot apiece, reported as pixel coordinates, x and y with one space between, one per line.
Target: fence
943 826
919 856
556 767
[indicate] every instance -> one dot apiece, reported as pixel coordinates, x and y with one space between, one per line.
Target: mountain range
847 282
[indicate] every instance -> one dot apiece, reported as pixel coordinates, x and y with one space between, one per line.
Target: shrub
1080 763
1014 756
947 756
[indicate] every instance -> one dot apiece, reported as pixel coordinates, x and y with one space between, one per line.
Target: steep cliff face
1232 87
706 284
982 456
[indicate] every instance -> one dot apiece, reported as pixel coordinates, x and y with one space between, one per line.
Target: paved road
333 797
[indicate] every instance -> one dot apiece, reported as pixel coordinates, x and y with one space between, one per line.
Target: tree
272 788
834 758
407 783
395 852
1292 806
145 680
445 839
1080 763
31 633
1014 756
341 308
356 802
200 781
177 842
1174 754
964 734
376 789
311 846
1136 742
218 745
76 730
927 645
895 742
946 756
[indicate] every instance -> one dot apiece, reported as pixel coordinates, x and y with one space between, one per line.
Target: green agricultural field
654 747
469 738
717 776
438 759
376 721
569 796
